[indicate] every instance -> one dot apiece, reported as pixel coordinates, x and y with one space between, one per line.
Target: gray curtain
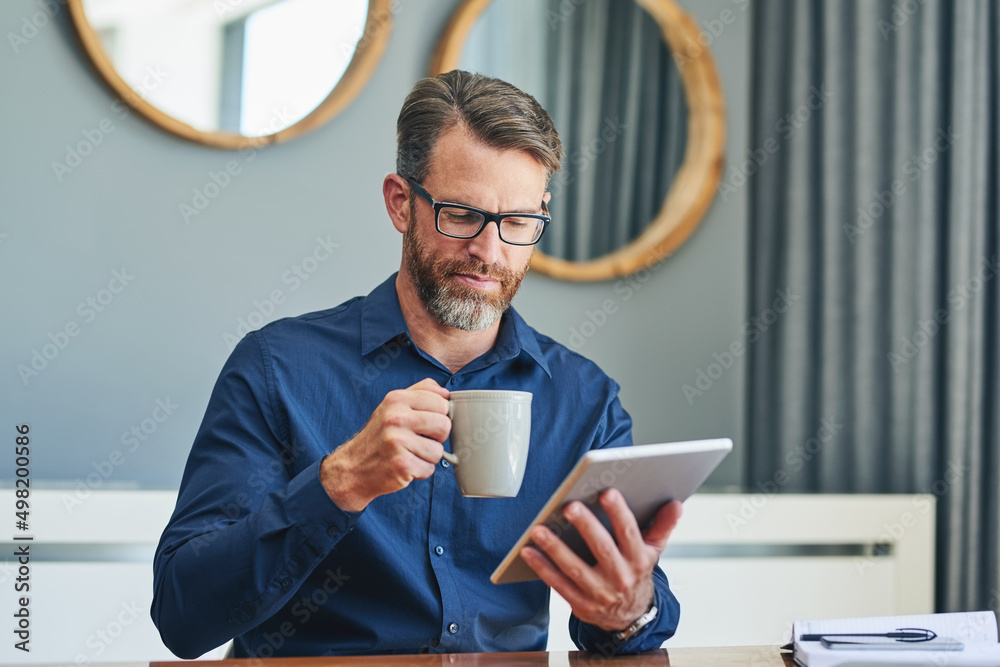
873 358
615 95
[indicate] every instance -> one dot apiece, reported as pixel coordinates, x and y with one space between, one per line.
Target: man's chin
467 314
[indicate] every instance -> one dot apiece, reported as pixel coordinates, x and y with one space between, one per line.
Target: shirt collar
381 317
382 320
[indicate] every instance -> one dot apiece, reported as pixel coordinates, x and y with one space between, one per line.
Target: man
316 514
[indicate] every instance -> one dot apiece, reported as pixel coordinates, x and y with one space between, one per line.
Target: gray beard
466 313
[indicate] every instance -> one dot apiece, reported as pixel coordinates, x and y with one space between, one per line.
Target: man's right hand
400 443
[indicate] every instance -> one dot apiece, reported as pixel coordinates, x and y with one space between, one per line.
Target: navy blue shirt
257 550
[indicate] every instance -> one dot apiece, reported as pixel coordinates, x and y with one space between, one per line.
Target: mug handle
448 456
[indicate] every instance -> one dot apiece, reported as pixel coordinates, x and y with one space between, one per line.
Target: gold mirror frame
371 45
695 182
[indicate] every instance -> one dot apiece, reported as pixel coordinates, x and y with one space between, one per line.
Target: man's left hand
618 589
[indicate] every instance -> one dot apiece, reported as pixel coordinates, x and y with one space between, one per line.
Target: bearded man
316 515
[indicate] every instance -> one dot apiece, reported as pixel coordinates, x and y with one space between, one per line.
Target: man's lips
477 281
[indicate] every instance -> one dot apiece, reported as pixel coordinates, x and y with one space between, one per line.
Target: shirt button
445 464
439 550
332 532
286 582
453 628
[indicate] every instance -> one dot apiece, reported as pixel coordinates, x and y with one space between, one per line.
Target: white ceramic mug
490 433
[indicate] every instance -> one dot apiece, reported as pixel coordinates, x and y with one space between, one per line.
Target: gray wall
161 337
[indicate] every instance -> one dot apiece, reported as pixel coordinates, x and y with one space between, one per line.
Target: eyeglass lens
466 224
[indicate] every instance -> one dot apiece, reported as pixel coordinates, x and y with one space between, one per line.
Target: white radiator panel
91 578
752 597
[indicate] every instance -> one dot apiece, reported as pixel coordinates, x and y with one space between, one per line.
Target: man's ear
396 192
546 198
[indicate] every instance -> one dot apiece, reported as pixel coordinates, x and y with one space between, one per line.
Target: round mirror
635 96
231 73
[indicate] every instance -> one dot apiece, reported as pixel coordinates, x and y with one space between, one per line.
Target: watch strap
636 625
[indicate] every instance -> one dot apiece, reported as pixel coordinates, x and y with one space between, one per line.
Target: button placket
444 491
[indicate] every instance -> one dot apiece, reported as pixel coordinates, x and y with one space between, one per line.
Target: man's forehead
462 168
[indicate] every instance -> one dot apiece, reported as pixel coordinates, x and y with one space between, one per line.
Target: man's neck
454 348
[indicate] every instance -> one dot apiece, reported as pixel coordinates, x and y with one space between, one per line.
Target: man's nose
486 247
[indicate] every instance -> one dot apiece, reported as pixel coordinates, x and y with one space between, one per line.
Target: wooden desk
738 656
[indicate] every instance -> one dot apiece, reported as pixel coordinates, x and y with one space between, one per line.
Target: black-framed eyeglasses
465 222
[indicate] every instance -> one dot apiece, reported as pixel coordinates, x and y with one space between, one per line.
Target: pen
901 635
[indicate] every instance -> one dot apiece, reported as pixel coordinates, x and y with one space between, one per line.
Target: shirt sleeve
616 431
246 532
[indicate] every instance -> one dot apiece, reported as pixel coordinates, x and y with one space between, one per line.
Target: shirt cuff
321 519
651 637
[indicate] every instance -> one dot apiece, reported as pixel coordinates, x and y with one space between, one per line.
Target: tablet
648 476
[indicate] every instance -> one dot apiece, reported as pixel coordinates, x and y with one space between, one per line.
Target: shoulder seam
265 355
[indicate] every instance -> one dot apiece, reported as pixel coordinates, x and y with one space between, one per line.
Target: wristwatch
637 625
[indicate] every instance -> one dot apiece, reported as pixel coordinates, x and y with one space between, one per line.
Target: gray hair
500 115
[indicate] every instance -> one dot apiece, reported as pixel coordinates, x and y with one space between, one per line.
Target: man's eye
462 218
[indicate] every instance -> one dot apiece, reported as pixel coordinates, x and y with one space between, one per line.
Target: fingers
418 409
657 534
610 558
616 590
428 384
433 425
602 582
427 449
539 561
419 398
627 533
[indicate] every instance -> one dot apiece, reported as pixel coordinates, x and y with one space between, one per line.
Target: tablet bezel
586 480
